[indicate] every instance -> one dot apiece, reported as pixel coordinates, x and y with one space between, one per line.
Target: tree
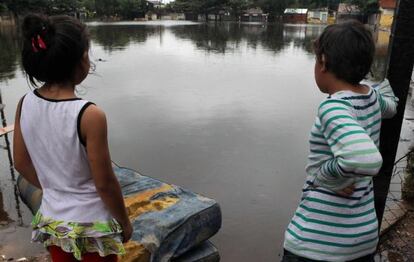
21 7
62 6
24 6
274 7
200 6
238 6
367 6
186 6
106 7
312 3
212 6
3 7
89 5
130 9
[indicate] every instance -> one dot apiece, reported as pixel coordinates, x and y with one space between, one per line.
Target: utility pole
400 69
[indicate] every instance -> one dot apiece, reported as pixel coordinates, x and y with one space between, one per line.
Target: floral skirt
96 237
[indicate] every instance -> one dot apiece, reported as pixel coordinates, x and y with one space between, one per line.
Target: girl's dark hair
348 49
52 47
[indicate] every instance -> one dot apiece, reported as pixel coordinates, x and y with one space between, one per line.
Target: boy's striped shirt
344 145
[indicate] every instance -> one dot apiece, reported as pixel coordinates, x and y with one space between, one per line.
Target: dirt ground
41 258
397 245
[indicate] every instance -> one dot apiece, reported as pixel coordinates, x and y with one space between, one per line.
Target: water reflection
211 38
114 37
9 52
216 38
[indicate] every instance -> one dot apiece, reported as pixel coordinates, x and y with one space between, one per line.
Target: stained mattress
170 223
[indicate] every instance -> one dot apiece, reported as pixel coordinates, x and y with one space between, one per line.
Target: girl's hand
127 232
347 191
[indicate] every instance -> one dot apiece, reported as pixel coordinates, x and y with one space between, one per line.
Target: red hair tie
38 44
41 43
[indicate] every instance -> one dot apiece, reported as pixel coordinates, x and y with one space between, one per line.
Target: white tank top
51 132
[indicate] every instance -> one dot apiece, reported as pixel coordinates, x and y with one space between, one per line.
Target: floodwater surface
221 109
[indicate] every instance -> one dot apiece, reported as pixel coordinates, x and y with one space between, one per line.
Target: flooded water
223 110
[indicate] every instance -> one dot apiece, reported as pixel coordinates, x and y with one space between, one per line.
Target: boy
336 219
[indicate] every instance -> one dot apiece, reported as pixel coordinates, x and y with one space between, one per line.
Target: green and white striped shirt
344 145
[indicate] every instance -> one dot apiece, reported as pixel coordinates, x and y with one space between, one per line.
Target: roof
348 8
388 4
155 2
299 11
319 10
254 11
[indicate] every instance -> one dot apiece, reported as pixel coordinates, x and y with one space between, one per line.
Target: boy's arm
353 152
94 132
22 161
388 101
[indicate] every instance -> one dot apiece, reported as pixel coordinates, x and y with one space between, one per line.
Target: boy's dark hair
348 49
52 47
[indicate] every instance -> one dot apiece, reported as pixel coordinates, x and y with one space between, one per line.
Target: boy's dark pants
289 257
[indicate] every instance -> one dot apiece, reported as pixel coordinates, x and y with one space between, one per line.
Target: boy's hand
347 191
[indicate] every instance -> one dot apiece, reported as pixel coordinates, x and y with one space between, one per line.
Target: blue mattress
170 222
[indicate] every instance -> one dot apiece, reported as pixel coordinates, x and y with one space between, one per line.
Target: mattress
170 223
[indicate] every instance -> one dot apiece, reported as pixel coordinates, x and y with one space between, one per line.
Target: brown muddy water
223 110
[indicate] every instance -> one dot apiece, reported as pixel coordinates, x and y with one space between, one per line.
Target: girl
60 146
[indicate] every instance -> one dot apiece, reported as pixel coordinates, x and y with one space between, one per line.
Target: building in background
348 12
295 15
254 15
155 3
387 8
318 16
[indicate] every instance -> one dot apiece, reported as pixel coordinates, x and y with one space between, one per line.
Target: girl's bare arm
22 161
94 133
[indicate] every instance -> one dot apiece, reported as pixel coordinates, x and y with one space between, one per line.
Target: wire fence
397 239
396 206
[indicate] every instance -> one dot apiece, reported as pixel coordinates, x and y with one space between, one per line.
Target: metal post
400 69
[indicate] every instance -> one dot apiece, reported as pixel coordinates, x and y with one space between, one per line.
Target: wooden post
9 154
400 69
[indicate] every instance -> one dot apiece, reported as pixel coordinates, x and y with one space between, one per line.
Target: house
387 8
254 15
318 16
155 3
348 12
295 15
173 16
151 16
